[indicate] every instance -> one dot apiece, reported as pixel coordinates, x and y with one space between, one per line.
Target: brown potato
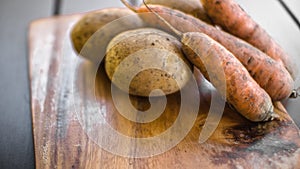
95 29
146 59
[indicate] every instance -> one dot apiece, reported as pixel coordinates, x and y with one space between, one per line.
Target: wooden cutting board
62 139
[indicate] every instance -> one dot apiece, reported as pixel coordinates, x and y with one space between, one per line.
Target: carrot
227 74
232 18
242 92
192 7
269 74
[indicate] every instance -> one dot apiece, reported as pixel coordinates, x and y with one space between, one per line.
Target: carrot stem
130 6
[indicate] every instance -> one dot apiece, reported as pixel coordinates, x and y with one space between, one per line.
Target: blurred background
16 143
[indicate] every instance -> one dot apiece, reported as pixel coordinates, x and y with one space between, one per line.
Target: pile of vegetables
202 33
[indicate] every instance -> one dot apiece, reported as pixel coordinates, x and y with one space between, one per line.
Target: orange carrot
227 74
232 18
242 92
269 74
192 7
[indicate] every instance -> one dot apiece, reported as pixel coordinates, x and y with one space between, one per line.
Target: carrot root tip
271 116
295 93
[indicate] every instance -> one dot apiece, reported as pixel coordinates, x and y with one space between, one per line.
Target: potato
153 55
101 21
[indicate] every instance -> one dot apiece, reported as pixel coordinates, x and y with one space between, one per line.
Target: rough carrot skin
242 92
192 7
232 18
268 73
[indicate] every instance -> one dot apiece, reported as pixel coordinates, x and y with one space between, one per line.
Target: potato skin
91 22
150 44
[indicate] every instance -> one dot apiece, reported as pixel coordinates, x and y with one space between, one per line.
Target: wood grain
60 140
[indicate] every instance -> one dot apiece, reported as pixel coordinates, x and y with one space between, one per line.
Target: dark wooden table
16 143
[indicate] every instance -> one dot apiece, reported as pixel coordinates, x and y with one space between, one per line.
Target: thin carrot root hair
177 32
